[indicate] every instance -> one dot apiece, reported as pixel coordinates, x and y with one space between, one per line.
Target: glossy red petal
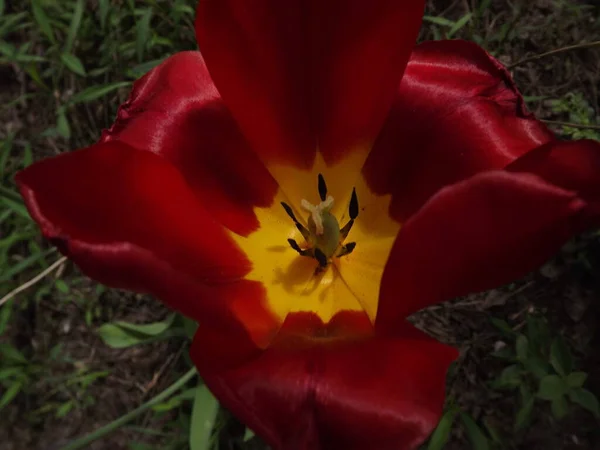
477 234
457 112
376 393
298 74
572 165
175 111
129 219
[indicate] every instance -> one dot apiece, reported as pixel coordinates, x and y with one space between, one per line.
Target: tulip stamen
303 231
301 251
346 249
323 236
352 212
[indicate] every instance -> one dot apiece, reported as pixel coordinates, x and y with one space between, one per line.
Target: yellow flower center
322 268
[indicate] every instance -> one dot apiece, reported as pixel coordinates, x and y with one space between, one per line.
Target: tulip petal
128 218
378 393
572 165
477 234
457 113
300 75
175 111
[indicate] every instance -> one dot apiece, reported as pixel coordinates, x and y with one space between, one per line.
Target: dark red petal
130 220
457 113
376 393
298 73
214 306
475 235
175 111
573 165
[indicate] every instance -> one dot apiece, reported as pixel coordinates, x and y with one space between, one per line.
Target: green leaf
27 155
560 407
103 9
5 313
459 24
116 337
74 27
86 379
248 434
524 415
483 6
493 433
42 19
478 439
17 207
170 404
551 387
62 124
502 326
61 286
509 378
11 354
149 329
140 446
537 367
560 356
522 346
143 33
190 326
538 335
64 409
11 372
73 63
586 400
125 334
439 21
576 379
10 393
204 413
34 74
441 434
188 394
94 92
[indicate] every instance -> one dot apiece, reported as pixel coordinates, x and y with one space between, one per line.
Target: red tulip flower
299 188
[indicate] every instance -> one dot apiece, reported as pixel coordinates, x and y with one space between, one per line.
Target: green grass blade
143 33
73 63
42 20
204 413
25 264
74 27
95 92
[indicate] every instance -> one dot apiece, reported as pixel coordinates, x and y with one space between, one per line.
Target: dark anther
353 209
346 229
294 245
289 211
320 256
322 188
346 249
305 233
